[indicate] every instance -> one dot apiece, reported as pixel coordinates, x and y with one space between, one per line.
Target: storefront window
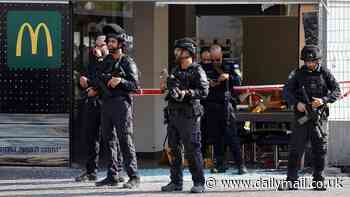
89 18
249 38
227 33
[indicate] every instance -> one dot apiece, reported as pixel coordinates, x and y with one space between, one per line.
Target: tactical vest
189 108
314 83
185 79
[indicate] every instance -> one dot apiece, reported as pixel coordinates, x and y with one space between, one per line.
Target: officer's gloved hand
177 94
173 93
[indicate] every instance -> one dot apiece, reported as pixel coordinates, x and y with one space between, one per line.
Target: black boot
109 181
242 169
120 179
287 185
198 188
171 187
219 165
132 183
319 185
86 177
216 170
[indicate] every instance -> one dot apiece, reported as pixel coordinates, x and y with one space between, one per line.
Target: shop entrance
258 41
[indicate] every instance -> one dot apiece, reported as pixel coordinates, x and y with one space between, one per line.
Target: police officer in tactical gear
187 85
205 60
116 81
315 84
219 111
91 109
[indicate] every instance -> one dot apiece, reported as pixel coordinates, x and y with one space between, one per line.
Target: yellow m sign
34 35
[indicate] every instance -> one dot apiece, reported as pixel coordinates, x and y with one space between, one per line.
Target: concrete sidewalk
45 182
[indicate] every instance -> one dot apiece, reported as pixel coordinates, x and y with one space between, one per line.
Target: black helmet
187 44
310 53
114 31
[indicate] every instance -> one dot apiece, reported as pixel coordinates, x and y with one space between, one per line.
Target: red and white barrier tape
241 89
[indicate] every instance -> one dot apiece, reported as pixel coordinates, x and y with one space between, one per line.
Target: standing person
187 85
310 89
205 61
92 110
117 79
219 109
205 56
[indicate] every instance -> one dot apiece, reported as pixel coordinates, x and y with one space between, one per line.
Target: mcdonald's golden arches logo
34 39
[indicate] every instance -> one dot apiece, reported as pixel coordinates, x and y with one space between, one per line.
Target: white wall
151 55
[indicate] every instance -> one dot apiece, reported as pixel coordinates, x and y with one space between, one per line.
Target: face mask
206 65
216 64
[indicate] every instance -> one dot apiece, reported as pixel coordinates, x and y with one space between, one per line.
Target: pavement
52 181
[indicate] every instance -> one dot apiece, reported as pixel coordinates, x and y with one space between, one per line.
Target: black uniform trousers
302 134
184 129
117 113
91 126
220 134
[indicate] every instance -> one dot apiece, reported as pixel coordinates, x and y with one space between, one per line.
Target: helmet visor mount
311 53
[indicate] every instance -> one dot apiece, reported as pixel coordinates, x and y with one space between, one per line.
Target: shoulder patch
291 74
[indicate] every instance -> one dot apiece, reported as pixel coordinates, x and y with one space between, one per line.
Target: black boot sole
175 190
106 184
